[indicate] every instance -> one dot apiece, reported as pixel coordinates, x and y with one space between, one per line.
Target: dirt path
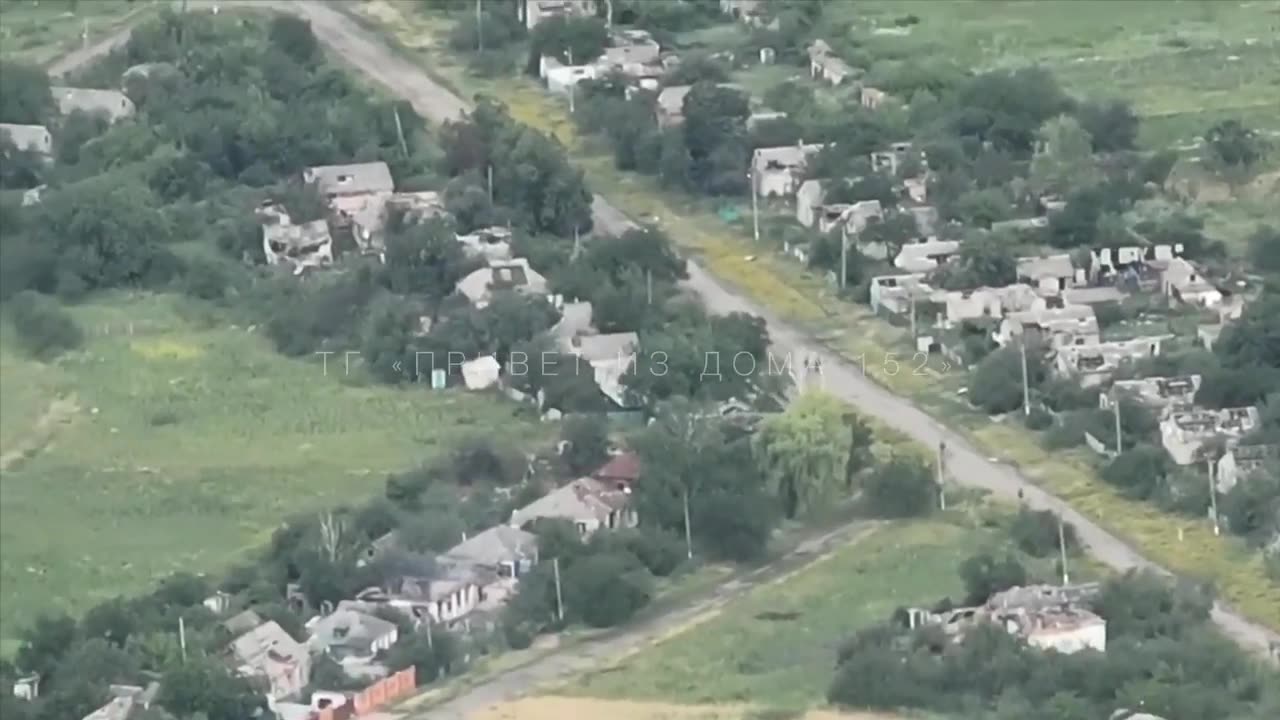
60 412
561 665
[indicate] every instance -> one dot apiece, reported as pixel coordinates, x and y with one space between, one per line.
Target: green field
776 646
193 440
38 31
1183 64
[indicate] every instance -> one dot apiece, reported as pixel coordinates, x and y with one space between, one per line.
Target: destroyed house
1159 393
1188 434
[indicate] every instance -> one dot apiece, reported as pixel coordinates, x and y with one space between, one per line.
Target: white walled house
778 171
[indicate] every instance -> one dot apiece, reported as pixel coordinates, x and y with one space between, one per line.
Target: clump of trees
1150 624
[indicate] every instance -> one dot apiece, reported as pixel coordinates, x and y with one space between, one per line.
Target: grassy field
776 646
188 443
798 295
1183 64
558 708
38 31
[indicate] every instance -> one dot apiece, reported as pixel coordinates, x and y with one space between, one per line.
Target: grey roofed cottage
348 634
268 651
586 502
112 103
356 179
502 548
514 274
35 138
1048 273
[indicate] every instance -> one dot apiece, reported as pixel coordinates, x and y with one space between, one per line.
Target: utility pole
404 148
1115 403
479 27
555 568
182 638
844 255
688 531
573 85
489 173
577 242
648 284
911 296
431 644
942 475
1213 498
1026 385
755 206
1062 549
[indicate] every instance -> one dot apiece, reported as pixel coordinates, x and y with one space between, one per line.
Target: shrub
901 488
985 575
1036 533
43 327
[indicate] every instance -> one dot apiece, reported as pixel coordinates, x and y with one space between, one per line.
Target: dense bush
902 487
1036 533
43 327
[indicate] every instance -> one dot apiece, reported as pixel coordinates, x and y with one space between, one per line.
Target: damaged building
297 246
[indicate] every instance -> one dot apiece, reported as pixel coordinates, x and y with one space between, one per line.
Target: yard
181 443
38 31
775 647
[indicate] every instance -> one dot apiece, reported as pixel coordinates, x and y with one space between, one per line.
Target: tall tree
803 452
24 94
1064 160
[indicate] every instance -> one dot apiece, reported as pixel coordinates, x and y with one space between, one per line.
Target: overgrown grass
1184 65
193 441
776 646
38 31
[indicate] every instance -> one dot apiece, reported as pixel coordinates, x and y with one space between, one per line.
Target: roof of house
347 628
581 500
671 98
113 103
1101 356
1032 597
1092 295
242 622
351 179
117 708
922 256
268 649
604 348
1046 266
575 319
513 274
28 137
785 157
623 466
493 547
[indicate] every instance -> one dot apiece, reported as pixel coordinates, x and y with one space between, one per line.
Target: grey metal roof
494 546
351 179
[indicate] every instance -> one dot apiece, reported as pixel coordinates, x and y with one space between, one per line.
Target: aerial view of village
639 359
